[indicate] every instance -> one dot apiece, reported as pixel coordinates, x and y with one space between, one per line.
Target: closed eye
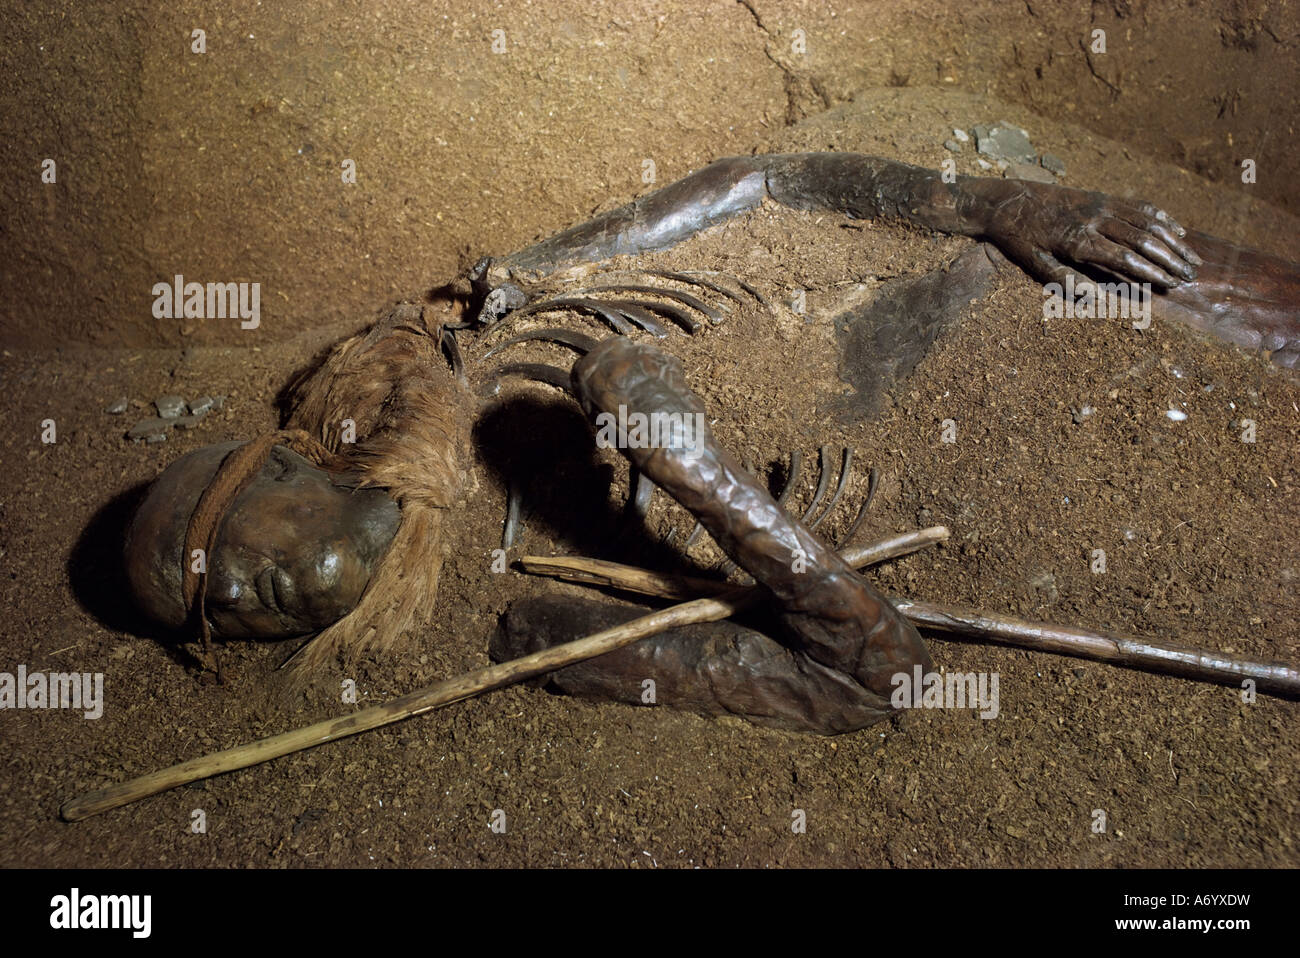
267 589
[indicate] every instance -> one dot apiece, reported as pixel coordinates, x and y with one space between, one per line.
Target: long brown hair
408 421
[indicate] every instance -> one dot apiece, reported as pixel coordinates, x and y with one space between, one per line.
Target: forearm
857 185
869 187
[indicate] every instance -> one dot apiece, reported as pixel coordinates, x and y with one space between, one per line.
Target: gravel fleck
169 407
1028 171
188 422
1052 162
1005 142
147 428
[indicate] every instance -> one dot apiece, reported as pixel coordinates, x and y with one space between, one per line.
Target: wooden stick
725 603
1163 658
1276 678
628 578
414 703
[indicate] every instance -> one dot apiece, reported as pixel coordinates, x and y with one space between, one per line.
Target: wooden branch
628 578
1137 653
1162 658
721 605
414 703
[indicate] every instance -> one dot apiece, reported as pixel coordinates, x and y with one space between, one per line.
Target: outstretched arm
1036 225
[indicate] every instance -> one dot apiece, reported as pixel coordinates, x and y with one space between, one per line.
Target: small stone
156 437
1006 142
1028 171
202 405
169 407
961 135
1082 413
147 428
1051 161
952 146
984 164
187 422
117 406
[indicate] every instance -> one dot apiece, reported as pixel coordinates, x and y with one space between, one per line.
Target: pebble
1028 171
1004 141
147 429
1051 161
188 422
172 413
117 406
203 404
1177 415
952 146
169 407
961 135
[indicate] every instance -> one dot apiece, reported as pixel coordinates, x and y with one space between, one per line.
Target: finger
1046 268
1051 270
1108 253
1160 216
1145 217
1149 246
1175 243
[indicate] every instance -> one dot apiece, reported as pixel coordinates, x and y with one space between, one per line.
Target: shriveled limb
1236 294
1036 225
834 616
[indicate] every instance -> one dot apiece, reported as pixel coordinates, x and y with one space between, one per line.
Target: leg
716 669
836 618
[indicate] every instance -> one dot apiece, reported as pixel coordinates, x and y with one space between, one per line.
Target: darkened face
293 554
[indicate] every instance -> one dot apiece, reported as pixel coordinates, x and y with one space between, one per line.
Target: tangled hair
407 411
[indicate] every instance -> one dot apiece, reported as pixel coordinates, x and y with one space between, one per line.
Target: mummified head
293 551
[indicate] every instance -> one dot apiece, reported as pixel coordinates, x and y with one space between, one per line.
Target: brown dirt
1198 527
226 165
